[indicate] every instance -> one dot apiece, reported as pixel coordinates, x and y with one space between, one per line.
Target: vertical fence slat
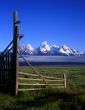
65 81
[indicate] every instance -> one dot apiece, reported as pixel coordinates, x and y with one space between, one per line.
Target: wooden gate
9 63
32 82
36 81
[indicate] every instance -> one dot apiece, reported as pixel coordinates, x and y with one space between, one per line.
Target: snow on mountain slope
46 49
54 49
68 51
65 49
28 50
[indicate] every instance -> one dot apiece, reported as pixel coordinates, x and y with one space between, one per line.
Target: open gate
36 81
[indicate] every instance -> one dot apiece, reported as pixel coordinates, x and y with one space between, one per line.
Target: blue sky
56 21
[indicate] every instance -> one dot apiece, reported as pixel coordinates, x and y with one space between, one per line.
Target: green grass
73 98
44 100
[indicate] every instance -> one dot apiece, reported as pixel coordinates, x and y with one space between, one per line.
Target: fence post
65 81
15 54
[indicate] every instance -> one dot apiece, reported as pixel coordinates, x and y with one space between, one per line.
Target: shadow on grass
65 100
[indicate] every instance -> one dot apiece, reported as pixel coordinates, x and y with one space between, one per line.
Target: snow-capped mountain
68 51
43 49
27 50
46 49
54 50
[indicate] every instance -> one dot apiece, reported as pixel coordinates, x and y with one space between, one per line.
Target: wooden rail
47 77
32 89
32 79
25 84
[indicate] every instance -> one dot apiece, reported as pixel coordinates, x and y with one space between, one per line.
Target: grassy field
75 75
73 98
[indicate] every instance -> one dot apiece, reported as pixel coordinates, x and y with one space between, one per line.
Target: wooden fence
5 70
9 63
28 81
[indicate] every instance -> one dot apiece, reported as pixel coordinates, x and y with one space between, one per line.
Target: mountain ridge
49 50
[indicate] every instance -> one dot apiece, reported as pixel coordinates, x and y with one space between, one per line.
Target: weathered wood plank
36 84
34 89
31 89
22 73
32 79
65 81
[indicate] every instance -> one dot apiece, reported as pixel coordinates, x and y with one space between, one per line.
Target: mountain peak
65 46
44 43
44 47
28 45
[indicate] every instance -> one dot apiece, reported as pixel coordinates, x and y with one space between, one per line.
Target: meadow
72 98
75 75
